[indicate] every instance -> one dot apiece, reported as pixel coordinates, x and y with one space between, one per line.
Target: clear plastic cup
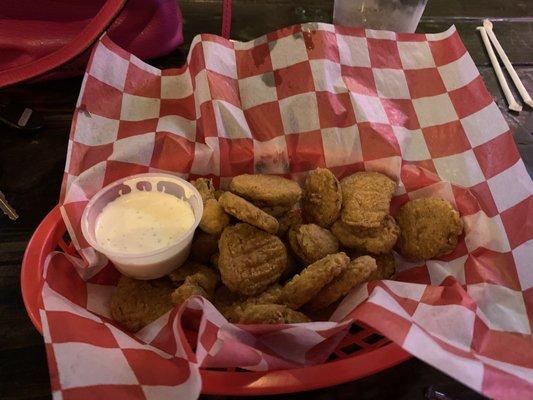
156 263
391 15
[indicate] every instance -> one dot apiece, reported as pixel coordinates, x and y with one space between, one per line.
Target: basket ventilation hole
374 338
352 348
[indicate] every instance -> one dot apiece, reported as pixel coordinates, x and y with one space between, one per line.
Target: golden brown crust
206 278
214 218
366 199
430 228
386 267
203 247
357 271
250 259
247 212
188 289
322 197
231 304
276 211
205 187
194 279
376 241
287 221
304 286
136 303
310 242
179 275
385 262
267 190
271 314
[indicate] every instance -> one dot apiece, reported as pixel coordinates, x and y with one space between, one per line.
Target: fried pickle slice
231 304
266 190
136 303
271 314
179 275
310 242
205 187
276 211
304 286
358 271
373 240
430 228
247 212
322 197
186 290
385 262
214 218
366 199
195 279
250 260
287 221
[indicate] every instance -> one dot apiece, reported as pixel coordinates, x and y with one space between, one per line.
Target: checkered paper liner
410 105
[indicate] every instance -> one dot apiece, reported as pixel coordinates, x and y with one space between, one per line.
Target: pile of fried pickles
271 252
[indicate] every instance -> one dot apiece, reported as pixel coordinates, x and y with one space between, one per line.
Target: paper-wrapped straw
513 105
514 76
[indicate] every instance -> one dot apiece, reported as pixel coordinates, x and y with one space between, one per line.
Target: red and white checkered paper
410 105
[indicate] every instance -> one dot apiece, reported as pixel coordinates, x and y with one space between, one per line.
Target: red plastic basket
361 353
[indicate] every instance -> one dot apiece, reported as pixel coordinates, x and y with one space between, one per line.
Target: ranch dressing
143 221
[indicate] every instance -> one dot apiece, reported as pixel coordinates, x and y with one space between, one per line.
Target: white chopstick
487 24
513 105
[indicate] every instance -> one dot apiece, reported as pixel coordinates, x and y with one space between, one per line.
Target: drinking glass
391 15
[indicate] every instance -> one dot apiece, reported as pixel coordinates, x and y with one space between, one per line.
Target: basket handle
78 45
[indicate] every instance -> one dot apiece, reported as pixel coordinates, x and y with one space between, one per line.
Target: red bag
48 39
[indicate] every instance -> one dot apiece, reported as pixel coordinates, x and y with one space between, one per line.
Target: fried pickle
430 228
250 260
366 199
358 270
205 187
214 218
322 197
179 275
276 211
378 240
304 286
266 190
186 290
287 221
247 212
195 279
231 304
385 262
136 303
310 242
271 314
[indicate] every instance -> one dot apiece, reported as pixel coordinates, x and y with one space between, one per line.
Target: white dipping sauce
143 221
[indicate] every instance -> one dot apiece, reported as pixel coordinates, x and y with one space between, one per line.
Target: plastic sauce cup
156 263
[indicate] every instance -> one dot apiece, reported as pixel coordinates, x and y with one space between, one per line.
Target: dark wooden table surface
31 167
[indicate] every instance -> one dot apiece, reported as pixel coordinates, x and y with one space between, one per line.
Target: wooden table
31 167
